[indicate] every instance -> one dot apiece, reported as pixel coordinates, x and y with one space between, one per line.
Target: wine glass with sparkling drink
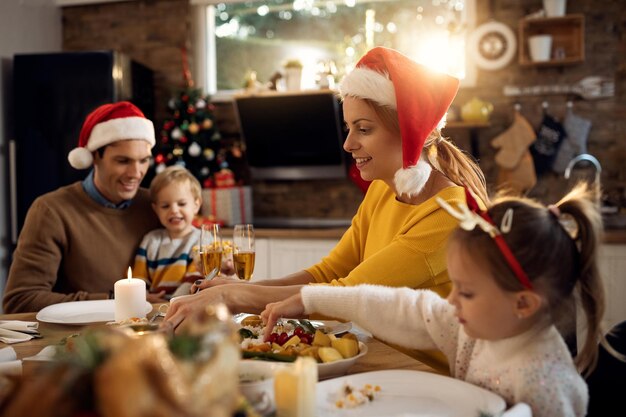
210 248
243 250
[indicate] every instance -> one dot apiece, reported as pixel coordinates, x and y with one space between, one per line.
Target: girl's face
376 149
484 309
176 207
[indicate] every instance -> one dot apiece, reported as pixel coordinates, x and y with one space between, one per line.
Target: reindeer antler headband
470 215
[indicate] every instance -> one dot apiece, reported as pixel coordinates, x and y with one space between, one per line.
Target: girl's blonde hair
557 248
175 174
442 154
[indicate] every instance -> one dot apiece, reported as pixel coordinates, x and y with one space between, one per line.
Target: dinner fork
161 312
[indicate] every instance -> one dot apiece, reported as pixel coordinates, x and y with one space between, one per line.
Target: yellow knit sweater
393 243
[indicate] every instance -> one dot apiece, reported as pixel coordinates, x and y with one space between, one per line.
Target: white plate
327 326
81 312
410 394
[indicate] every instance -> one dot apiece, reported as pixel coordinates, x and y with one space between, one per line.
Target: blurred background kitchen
187 63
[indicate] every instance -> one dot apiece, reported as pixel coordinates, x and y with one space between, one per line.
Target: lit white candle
130 298
294 389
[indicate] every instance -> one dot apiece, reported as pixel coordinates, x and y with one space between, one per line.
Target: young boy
164 258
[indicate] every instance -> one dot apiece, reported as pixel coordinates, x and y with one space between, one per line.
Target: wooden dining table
380 356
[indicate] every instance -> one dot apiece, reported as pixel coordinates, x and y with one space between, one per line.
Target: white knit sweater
535 367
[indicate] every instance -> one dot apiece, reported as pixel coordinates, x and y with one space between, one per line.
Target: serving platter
81 312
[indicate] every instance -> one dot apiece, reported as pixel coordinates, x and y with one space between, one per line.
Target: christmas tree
189 137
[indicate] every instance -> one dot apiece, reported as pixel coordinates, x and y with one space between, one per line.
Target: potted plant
293 74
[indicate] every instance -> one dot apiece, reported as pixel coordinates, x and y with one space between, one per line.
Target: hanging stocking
513 142
577 129
549 137
520 179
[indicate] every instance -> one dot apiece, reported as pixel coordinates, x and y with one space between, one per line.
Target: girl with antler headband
515 270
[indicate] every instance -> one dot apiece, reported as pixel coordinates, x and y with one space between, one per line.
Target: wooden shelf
568 36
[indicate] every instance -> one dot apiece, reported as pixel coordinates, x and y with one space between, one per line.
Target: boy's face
176 206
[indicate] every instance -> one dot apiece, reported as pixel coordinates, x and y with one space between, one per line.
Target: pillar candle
130 298
294 389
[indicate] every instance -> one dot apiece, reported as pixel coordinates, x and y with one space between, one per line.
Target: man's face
121 168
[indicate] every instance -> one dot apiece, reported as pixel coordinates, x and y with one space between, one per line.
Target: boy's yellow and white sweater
164 263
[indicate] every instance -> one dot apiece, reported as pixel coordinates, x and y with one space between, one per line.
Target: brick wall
153 31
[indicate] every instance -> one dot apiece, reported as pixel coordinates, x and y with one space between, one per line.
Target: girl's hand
291 307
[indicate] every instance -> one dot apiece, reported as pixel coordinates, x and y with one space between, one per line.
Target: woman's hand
184 307
201 284
291 307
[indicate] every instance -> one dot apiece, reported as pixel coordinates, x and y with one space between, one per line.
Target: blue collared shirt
90 188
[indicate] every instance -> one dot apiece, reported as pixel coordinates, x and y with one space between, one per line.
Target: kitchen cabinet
568 39
277 257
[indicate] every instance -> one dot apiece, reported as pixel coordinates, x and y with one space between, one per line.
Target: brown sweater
72 248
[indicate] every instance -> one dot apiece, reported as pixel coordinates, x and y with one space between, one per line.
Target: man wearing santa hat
78 240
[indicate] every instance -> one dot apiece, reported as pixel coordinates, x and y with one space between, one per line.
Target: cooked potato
312 351
329 354
321 339
346 347
349 336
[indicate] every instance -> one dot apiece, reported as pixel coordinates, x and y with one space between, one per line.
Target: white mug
554 8
540 47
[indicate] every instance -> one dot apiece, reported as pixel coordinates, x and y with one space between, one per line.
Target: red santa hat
107 124
420 96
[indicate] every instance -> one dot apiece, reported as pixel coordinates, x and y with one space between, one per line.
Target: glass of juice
211 249
243 250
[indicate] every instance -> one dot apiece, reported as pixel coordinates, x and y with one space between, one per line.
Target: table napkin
11 336
15 331
20 326
9 365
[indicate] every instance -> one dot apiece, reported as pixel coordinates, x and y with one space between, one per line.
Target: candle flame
130 273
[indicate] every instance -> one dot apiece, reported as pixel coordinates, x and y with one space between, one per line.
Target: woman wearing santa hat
393 108
79 239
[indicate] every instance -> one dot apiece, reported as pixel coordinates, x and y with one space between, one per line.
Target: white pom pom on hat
420 96
107 124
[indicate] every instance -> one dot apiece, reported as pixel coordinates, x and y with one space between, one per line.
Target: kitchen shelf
568 36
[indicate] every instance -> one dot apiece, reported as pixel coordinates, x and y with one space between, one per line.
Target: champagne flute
243 250
210 249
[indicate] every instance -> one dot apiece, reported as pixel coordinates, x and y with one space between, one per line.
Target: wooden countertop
615 236
292 233
611 236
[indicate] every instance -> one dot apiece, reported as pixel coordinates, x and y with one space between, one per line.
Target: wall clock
492 45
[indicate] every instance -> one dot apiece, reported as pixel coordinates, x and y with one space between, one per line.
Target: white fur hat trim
105 133
411 180
368 84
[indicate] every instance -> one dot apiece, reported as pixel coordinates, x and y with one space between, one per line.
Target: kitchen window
238 38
